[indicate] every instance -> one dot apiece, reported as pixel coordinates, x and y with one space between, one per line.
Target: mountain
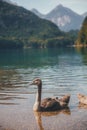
9 1
21 28
82 36
64 18
36 12
84 15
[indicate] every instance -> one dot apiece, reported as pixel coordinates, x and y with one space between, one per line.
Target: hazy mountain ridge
64 18
84 14
36 12
9 2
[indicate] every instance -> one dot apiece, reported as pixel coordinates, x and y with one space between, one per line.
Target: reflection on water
5 78
33 58
61 70
83 106
38 116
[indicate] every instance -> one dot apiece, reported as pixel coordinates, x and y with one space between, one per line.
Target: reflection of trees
6 78
33 57
83 52
38 116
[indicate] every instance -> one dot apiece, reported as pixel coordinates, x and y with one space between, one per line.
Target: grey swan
82 99
48 104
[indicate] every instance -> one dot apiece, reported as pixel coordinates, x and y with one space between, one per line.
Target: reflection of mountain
33 58
63 17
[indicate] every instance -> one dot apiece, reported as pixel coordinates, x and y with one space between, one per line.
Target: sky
45 6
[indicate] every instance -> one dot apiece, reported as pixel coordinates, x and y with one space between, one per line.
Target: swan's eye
36 82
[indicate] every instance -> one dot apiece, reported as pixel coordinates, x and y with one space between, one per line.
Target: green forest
82 36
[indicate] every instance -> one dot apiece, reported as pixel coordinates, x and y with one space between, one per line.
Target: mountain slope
64 18
84 15
19 24
36 12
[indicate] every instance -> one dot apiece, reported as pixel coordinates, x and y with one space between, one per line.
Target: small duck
82 99
48 104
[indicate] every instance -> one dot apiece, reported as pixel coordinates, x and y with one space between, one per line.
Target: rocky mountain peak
65 18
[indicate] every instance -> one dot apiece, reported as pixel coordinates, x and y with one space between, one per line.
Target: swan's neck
37 104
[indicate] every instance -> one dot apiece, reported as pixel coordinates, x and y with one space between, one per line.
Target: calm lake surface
63 71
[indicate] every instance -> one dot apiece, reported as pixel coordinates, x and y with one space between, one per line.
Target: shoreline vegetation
48 43
9 44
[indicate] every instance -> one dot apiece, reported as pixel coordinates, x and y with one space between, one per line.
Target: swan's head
37 82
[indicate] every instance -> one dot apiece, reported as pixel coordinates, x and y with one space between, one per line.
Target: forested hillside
82 36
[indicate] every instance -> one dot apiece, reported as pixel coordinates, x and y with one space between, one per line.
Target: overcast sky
45 6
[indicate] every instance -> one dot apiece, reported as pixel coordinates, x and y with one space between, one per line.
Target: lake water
62 71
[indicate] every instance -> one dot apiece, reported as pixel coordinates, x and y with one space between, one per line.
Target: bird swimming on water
48 104
82 99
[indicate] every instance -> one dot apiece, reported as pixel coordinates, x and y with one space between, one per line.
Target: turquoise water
61 70
64 70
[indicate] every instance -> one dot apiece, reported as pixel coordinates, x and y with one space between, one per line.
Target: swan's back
50 104
53 104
